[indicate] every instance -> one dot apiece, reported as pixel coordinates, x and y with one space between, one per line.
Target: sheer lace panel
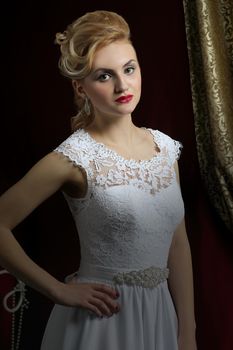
105 167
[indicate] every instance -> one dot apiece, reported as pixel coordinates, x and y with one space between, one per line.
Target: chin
126 112
128 109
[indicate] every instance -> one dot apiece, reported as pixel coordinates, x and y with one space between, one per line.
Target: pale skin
181 284
115 72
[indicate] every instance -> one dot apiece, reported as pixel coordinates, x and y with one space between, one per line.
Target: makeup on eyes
108 71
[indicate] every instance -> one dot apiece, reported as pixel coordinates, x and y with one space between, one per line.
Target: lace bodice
131 208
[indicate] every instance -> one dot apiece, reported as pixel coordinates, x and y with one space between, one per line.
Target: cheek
99 94
137 81
137 85
104 92
137 88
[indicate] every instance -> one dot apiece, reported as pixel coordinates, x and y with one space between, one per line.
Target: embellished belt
148 278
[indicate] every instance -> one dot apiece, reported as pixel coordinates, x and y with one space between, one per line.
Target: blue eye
130 70
104 77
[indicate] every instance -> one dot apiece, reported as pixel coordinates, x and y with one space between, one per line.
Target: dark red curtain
38 104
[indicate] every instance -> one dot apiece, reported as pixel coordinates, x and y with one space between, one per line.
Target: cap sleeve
172 148
75 150
177 149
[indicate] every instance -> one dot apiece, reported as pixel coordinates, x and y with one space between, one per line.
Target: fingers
94 309
101 306
103 299
110 303
106 289
96 297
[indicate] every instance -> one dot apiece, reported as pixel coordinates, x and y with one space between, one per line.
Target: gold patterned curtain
209 32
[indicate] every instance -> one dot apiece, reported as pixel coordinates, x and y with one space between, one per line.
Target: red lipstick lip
124 99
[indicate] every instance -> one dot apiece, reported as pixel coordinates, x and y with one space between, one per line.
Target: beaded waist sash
148 278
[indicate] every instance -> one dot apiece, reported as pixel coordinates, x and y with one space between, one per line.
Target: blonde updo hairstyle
78 45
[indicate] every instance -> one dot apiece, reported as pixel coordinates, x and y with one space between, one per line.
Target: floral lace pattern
105 167
131 208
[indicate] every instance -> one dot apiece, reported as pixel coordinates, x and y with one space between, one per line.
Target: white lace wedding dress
125 224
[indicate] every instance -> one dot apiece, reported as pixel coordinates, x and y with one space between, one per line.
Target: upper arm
41 181
180 233
176 167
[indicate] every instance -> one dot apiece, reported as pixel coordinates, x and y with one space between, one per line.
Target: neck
120 132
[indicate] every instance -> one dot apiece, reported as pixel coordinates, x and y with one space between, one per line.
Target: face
114 84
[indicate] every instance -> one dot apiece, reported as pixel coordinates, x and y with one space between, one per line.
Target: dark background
37 106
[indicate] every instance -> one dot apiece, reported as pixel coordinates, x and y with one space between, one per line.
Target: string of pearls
16 306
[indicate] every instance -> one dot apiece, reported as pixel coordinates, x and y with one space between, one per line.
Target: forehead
114 55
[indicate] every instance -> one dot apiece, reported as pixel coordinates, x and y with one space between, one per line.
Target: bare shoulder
45 178
57 167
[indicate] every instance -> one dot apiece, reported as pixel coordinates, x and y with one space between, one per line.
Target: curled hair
78 45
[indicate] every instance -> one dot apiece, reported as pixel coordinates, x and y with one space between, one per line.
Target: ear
78 88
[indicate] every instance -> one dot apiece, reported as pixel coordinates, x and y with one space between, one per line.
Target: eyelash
101 77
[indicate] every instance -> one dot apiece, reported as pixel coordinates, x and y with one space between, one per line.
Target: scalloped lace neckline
119 156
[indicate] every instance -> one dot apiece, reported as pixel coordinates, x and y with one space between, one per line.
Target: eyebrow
111 70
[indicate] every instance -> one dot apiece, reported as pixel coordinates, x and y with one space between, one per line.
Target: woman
121 184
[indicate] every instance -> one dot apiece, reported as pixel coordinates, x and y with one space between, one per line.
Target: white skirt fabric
146 321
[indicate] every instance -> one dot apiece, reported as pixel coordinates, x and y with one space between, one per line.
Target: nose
121 84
